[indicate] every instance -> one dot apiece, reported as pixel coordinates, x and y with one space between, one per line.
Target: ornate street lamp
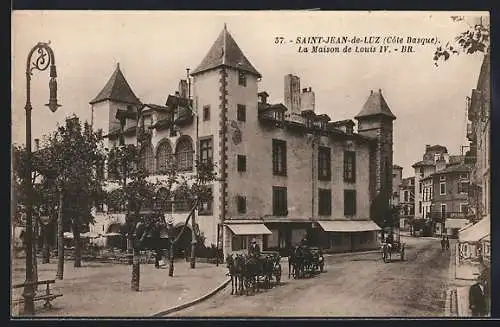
44 60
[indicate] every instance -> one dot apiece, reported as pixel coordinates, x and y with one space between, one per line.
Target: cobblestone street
355 285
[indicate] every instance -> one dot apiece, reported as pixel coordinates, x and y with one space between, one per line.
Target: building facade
407 202
435 158
475 241
449 199
285 172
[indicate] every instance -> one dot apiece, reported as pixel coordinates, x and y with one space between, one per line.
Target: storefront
474 243
350 235
453 225
237 236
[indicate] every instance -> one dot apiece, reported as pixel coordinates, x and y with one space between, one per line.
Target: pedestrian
443 243
447 243
477 300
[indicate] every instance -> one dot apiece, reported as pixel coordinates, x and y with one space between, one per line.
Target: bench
47 296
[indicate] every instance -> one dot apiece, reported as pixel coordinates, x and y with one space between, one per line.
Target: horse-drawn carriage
305 260
392 246
250 272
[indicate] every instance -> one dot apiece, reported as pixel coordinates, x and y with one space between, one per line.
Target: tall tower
225 84
116 94
375 120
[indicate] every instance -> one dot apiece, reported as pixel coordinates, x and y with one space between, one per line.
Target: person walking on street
443 243
447 243
477 301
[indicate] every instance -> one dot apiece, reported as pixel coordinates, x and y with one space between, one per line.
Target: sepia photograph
331 164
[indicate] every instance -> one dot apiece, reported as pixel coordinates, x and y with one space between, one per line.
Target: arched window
184 154
147 159
163 156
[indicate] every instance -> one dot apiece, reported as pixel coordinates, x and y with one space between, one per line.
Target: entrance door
284 241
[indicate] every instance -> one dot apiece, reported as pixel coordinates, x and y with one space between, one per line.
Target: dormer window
242 78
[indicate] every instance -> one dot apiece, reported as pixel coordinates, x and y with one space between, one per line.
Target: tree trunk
77 263
171 259
46 250
193 240
136 271
60 239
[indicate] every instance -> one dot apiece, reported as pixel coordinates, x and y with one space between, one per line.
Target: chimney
292 93
427 147
37 145
183 89
307 99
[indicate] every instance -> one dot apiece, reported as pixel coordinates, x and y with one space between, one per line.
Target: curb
191 303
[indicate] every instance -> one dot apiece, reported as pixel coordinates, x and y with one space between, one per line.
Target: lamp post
197 147
44 59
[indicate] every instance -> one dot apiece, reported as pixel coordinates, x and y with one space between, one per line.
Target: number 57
279 40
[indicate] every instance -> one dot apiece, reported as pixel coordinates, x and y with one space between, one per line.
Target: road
354 285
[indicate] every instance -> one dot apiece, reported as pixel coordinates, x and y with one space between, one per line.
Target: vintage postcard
250 164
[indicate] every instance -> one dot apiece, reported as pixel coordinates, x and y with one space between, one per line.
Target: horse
231 266
296 263
239 267
386 252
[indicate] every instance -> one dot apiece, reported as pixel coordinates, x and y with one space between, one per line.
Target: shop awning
476 232
348 225
249 229
455 223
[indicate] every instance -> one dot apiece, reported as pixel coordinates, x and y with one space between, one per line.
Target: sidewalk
461 276
102 289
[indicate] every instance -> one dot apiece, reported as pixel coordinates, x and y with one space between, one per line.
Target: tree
136 190
74 152
476 38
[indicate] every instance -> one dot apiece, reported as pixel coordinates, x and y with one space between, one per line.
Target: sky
155 48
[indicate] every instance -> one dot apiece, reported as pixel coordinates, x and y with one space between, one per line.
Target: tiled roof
342 122
225 52
424 163
116 89
156 107
461 168
126 114
375 105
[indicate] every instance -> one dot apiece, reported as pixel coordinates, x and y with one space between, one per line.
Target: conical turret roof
375 105
225 52
116 89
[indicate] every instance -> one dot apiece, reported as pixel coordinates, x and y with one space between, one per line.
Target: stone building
449 207
475 242
436 178
285 171
397 179
407 202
